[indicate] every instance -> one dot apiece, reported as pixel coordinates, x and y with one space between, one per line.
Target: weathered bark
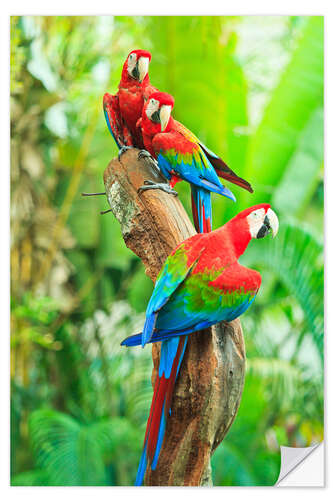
211 378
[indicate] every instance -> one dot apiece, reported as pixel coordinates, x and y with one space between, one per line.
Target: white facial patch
153 105
256 220
273 221
131 62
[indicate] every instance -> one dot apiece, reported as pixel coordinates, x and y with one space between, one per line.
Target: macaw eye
153 101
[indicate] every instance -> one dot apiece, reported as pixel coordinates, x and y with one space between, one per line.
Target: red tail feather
206 221
162 397
207 224
156 414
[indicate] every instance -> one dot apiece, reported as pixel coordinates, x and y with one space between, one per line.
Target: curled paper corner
291 458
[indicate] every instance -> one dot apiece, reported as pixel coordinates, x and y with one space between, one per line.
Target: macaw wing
174 272
180 147
223 170
113 118
179 127
224 298
233 304
238 286
180 154
219 165
115 123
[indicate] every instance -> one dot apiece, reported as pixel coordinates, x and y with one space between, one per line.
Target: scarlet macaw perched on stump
181 156
123 109
200 284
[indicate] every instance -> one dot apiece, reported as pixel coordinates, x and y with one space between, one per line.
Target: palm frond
36 477
66 450
280 377
295 257
70 453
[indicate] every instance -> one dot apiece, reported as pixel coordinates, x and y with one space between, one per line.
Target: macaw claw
123 150
143 154
157 185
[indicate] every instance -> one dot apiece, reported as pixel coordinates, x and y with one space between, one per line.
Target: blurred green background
252 89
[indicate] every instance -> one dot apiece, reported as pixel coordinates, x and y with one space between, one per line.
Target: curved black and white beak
162 116
165 112
141 69
270 225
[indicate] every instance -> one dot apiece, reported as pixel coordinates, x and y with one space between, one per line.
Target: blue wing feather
202 175
164 334
166 284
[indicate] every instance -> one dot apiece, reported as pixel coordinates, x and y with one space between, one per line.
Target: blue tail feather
142 467
201 209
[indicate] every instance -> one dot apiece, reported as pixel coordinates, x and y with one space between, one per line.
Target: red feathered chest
131 104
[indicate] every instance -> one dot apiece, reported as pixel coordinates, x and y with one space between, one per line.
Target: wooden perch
211 377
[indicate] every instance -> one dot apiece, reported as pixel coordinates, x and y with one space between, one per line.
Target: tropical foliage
252 89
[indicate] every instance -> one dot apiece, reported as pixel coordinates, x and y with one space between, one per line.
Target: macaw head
136 65
260 220
158 111
254 222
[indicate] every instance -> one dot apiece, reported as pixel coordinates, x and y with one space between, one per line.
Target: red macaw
181 156
201 283
123 109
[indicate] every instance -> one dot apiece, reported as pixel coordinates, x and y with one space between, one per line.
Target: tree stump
211 378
